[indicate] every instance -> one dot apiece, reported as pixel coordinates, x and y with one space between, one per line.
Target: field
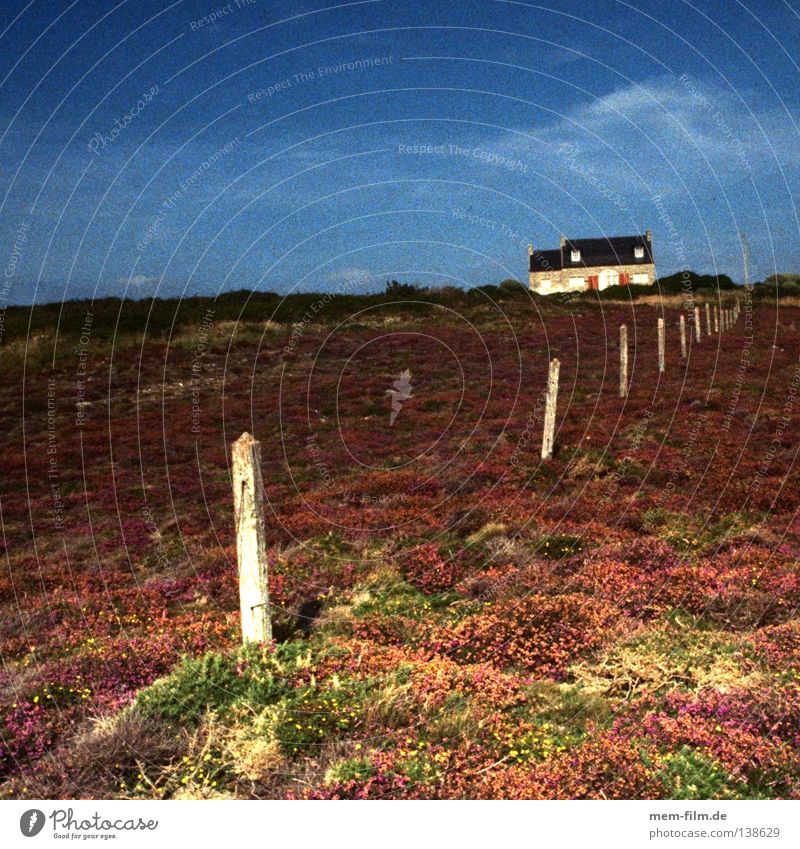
453 616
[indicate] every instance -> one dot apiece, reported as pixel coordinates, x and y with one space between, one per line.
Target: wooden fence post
623 361
716 319
550 410
683 336
251 545
661 359
697 324
708 320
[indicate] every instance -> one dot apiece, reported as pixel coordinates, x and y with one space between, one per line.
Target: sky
187 148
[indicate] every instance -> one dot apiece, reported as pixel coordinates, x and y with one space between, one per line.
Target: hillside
453 616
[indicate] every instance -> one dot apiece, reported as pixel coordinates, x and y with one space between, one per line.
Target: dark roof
615 250
546 260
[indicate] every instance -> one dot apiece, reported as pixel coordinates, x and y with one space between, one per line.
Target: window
576 282
576 255
641 279
638 252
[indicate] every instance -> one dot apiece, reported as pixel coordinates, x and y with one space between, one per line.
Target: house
580 264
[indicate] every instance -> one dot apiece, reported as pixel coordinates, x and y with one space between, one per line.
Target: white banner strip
299 825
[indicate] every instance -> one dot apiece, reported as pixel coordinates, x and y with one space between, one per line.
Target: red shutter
593 281
624 279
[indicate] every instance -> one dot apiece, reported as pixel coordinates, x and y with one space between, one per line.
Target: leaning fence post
716 319
550 410
251 544
661 363
708 319
623 361
683 336
697 323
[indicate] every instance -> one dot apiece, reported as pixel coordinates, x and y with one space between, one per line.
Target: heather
453 617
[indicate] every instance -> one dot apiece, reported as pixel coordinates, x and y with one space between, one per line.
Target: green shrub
217 682
560 546
691 775
352 769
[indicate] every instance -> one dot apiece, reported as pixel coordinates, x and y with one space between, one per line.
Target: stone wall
559 280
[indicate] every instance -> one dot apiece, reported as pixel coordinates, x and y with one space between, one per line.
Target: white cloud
354 279
669 133
138 281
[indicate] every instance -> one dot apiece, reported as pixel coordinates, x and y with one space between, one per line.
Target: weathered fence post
550 410
251 545
716 319
661 361
683 336
708 320
623 361
697 324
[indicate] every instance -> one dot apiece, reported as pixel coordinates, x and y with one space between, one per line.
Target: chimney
648 234
563 240
530 250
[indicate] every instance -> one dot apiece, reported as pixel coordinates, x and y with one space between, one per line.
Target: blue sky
438 140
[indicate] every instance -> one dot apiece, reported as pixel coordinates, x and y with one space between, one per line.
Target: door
609 277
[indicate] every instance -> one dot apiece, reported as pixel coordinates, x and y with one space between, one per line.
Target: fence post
697 324
716 319
623 361
708 319
661 362
683 336
550 410
251 545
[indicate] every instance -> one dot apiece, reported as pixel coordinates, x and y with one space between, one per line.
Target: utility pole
745 257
